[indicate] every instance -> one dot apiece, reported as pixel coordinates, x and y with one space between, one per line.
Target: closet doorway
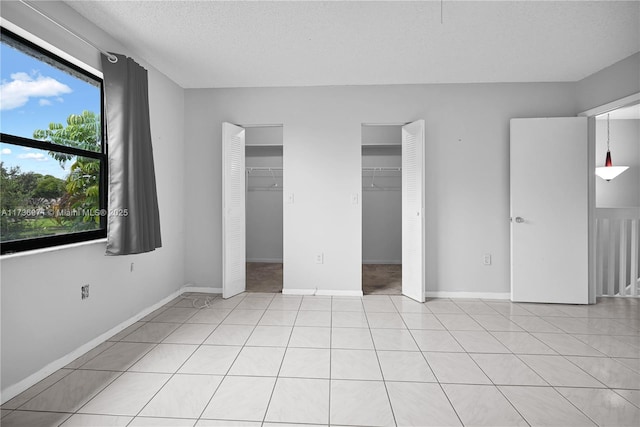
393 223
382 209
252 209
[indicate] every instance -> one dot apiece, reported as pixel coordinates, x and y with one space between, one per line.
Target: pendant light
608 171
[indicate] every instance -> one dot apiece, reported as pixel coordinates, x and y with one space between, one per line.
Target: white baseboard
267 260
322 292
202 289
15 389
469 295
384 262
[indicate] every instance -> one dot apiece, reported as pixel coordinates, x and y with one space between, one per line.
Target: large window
52 151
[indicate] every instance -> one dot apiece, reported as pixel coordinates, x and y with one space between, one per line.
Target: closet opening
264 209
382 209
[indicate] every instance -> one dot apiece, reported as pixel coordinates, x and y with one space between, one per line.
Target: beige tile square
436 341
119 357
306 363
385 320
479 342
355 365
243 317
558 371
278 318
543 406
482 405
36 389
362 403
86 420
421 404
351 338
349 319
507 369
297 400
394 339
175 315
457 368
211 360
165 358
184 396
241 398
610 372
151 332
313 337
405 366
127 395
258 361
422 321
313 318
190 333
211 316
603 406
229 335
270 336
523 343
33 419
71 392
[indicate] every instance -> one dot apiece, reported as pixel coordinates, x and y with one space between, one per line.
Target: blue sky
32 95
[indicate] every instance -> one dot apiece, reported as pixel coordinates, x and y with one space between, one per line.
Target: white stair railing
617 251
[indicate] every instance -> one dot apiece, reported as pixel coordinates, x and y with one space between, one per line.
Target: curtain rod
112 58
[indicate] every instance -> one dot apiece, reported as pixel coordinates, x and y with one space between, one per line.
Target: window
52 151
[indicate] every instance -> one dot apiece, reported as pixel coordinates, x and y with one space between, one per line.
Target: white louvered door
413 225
233 211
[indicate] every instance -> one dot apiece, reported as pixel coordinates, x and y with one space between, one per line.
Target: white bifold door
549 175
413 222
233 211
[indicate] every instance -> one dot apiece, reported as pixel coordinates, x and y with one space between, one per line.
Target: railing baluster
611 260
622 273
635 224
600 223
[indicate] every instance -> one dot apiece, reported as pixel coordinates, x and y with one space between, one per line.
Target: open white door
549 210
233 211
413 227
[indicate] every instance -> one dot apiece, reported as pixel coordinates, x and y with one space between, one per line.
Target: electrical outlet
486 259
320 258
131 269
85 291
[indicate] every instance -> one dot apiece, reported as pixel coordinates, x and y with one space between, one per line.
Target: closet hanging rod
112 58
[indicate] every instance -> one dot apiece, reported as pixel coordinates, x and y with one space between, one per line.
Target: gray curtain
133 224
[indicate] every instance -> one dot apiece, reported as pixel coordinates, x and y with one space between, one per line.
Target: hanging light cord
112 58
607 131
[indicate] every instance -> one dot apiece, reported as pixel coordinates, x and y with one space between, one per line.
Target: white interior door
233 211
549 210
413 226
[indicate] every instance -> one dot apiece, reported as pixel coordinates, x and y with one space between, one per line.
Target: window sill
52 249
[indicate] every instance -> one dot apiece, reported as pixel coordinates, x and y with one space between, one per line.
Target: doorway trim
591 158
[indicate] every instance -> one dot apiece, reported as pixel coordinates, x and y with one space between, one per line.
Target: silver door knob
519 219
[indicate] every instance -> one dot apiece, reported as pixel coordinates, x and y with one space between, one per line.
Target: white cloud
34 156
43 102
16 93
6 151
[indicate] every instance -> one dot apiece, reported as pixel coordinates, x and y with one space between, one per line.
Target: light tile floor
274 360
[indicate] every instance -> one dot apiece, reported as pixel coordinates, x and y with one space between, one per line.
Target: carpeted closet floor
379 279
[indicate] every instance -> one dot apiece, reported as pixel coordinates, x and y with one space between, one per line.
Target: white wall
467 128
624 190
43 317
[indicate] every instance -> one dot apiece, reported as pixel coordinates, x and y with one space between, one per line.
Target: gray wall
467 189
43 317
624 190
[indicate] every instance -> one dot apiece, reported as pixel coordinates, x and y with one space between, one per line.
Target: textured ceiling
303 43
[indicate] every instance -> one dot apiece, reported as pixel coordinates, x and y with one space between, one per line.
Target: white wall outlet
354 199
131 269
290 198
486 259
320 258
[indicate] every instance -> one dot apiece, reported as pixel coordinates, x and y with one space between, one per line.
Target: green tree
49 187
83 183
